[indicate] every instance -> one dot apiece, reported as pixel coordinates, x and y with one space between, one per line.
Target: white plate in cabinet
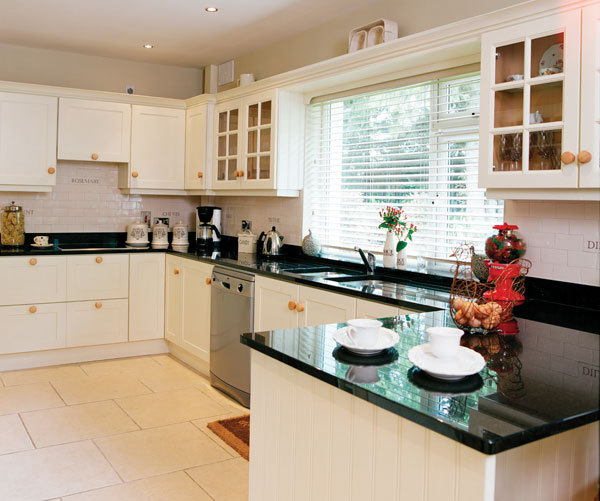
39 279
146 296
94 276
27 142
97 322
32 327
96 131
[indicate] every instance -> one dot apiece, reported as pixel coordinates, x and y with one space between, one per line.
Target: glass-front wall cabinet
260 129
530 120
227 145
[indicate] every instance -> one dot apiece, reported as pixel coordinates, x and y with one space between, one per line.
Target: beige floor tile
224 481
13 436
169 377
170 407
28 397
130 366
201 425
75 423
166 360
204 385
146 453
54 472
41 375
96 388
173 486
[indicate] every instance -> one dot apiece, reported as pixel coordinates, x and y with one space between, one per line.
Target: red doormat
235 432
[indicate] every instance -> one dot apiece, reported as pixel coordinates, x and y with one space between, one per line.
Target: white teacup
444 341
41 240
362 374
364 332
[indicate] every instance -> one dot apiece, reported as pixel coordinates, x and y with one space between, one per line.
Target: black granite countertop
536 384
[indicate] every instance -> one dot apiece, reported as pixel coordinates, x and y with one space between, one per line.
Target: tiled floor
127 429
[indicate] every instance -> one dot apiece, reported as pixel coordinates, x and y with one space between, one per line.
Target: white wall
67 69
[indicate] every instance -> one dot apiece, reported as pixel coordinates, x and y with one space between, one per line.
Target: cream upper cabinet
539 107
227 146
146 296
274 304
33 279
157 149
316 307
590 98
95 131
27 142
198 146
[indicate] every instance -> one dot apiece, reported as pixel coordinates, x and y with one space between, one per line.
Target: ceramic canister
137 233
160 234
180 234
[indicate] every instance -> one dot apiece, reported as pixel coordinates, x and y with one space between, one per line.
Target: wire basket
469 309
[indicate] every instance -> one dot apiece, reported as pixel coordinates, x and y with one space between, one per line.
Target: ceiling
182 32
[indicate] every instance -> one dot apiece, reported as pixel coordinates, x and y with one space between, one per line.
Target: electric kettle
271 243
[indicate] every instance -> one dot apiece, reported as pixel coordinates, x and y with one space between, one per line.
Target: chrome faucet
369 260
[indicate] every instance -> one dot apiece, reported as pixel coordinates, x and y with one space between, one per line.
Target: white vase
389 251
401 259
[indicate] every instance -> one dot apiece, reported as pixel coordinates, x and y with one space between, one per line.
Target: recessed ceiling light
211 9
148 46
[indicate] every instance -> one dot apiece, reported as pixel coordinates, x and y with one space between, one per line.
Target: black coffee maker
204 233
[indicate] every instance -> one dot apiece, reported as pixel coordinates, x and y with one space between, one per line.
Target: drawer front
97 322
97 276
32 327
33 279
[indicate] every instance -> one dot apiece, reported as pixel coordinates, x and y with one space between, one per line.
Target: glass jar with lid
13 226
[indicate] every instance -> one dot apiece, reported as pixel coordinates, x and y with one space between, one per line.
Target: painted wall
67 69
86 198
331 39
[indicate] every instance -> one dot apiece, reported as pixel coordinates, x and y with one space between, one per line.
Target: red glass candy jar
506 245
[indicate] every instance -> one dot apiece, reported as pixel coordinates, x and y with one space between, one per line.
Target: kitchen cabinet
316 307
198 146
372 309
27 142
33 279
32 327
187 307
226 149
539 120
93 276
146 296
97 131
91 323
157 150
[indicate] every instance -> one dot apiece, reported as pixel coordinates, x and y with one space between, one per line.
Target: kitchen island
328 426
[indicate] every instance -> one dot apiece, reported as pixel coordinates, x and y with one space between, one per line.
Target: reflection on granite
528 390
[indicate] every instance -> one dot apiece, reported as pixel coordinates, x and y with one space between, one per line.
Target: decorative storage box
247 242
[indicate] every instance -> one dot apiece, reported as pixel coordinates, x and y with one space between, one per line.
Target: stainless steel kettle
271 242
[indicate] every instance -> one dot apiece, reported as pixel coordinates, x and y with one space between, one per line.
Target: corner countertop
526 391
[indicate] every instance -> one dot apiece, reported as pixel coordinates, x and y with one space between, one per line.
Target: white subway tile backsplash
553 256
583 259
568 242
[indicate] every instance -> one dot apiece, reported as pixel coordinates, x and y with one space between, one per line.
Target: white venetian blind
414 146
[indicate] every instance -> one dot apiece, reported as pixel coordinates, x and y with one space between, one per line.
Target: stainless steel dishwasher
232 314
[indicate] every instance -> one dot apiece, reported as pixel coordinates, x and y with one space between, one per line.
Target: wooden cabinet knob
32 309
51 170
200 175
236 173
175 271
299 307
567 158
94 156
241 173
291 305
33 261
208 281
98 259
584 157
134 173
98 305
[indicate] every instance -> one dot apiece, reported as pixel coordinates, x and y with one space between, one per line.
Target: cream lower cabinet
316 307
188 305
34 279
32 327
97 322
146 296
94 276
372 309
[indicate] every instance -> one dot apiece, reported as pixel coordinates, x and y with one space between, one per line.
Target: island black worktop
536 384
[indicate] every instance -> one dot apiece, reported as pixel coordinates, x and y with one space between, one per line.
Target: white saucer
387 339
466 363
40 246
137 244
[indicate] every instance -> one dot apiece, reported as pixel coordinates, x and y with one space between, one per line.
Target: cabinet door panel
271 310
92 276
146 296
173 292
157 148
227 146
34 279
322 307
590 96
198 147
371 309
96 322
32 327
195 333
94 130
27 139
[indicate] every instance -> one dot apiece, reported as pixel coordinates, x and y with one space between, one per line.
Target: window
416 146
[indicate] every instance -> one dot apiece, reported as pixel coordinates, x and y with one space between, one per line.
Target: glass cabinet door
259 140
530 123
227 154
